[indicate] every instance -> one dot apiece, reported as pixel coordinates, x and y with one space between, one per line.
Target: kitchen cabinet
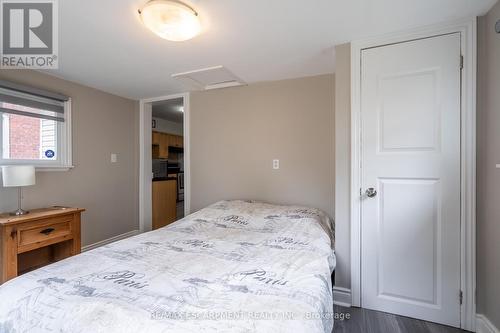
164 202
159 145
176 141
161 142
180 141
163 146
156 138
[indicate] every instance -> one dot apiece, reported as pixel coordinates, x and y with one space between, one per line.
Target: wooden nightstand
36 239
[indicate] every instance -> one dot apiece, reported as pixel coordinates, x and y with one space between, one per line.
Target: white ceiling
103 44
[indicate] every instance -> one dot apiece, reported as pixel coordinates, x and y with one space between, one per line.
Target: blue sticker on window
50 153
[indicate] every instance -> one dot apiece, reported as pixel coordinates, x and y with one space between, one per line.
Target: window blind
32 102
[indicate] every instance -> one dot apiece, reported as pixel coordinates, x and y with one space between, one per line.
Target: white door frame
467 29
145 173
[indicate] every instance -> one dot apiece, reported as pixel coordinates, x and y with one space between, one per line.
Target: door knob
370 192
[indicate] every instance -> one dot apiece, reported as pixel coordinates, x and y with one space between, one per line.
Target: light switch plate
276 164
497 166
114 158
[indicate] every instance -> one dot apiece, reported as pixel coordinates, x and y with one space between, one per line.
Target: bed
235 266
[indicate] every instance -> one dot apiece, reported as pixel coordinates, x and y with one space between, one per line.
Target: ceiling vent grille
209 78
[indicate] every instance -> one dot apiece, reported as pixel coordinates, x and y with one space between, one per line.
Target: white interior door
410 115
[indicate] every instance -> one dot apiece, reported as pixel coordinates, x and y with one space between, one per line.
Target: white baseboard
110 240
483 325
342 296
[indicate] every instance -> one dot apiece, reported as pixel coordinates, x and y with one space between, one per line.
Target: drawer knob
47 231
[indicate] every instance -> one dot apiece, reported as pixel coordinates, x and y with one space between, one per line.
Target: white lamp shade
171 20
18 175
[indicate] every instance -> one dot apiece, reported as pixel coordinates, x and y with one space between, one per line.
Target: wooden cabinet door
155 144
176 141
161 142
155 152
164 203
164 145
156 138
171 140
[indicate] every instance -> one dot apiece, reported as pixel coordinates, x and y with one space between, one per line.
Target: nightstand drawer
43 234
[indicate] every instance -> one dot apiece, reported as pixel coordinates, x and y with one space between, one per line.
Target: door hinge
461 62
461 296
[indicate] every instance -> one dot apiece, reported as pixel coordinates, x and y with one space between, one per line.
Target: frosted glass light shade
18 175
171 20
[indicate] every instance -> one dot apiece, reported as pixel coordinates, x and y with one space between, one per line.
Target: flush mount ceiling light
171 20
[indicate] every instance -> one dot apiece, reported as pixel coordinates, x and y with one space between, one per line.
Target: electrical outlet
114 158
497 166
276 164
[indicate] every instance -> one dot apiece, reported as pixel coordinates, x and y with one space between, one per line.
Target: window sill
53 168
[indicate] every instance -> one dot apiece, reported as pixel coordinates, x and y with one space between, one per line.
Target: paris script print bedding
235 266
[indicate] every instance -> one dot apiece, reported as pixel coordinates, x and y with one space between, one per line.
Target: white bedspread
235 266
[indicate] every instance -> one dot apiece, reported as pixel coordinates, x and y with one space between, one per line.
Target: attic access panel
209 78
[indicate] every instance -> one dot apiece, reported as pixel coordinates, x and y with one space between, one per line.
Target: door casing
145 132
468 32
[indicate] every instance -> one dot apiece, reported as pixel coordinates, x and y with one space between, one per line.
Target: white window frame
5 129
64 160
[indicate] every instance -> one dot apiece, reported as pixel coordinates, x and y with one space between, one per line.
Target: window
35 127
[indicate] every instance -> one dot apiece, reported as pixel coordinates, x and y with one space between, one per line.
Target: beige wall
102 124
488 177
343 164
237 132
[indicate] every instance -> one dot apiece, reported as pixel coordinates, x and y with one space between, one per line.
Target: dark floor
368 321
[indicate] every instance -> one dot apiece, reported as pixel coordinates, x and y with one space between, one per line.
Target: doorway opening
167 150
164 167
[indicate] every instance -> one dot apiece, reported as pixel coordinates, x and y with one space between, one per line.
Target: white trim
145 203
187 155
110 240
468 190
484 325
467 29
5 136
342 297
40 154
53 168
67 139
145 167
224 85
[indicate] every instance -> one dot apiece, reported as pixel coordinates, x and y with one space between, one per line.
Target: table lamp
18 176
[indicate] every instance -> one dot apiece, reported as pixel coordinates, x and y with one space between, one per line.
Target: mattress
235 266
